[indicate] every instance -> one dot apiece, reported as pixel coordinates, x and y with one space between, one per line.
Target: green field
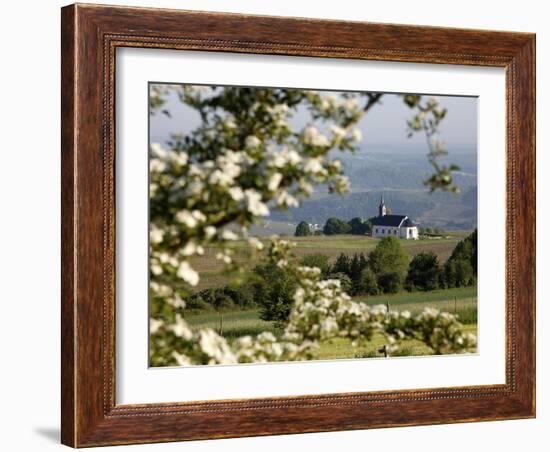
463 301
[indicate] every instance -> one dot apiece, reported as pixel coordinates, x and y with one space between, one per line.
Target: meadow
462 301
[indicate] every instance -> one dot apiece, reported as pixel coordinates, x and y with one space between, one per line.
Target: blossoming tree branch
246 157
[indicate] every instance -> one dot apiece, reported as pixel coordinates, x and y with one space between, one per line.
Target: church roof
389 220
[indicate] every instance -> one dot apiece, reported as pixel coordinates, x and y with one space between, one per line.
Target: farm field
212 274
462 301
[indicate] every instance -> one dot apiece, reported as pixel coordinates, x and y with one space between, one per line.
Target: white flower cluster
441 331
429 115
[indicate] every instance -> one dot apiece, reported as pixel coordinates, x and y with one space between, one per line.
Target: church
385 225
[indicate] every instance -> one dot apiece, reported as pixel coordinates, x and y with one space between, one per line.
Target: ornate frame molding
90 37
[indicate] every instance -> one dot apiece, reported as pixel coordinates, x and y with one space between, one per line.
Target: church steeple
382 207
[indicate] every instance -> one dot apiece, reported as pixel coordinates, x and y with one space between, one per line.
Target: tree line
355 226
387 268
334 226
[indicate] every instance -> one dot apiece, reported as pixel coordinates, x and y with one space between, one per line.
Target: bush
336 226
424 272
302 230
242 295
197 302
389 257
274 292
345 281
458 273
215 297
359 227
367 283
318 260
390 282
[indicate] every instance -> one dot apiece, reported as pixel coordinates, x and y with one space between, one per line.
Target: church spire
382 207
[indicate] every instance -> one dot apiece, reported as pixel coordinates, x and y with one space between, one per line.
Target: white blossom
314 165
181 329
254 203
252 142
255 243
339 133
210 231
156 235
236 193
186 273
156 269
158 151
156 165
229 235
313 137
356 135
274 181
285 199
187 218
154 325
284 157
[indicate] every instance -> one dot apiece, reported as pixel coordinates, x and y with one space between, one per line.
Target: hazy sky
383 126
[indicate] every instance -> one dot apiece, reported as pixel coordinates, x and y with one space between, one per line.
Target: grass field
239 323
211 269
461 301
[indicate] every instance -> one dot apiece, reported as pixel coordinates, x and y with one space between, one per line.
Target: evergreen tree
461 268
342 264
367 283
274 290
355 267
390 282
424 272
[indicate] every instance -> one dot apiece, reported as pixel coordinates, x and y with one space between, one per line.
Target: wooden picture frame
90 36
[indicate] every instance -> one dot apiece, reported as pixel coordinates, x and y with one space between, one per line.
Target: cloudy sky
384 126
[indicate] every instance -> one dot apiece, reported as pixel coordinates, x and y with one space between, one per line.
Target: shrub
197 302
367 283
302 230
243 295
358 226
424 272
390 282
336 226
458 273
274 292
318 260
345 281
389 257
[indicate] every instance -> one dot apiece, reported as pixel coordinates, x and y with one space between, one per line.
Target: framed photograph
281 225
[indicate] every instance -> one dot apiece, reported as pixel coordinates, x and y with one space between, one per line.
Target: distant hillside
399 177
